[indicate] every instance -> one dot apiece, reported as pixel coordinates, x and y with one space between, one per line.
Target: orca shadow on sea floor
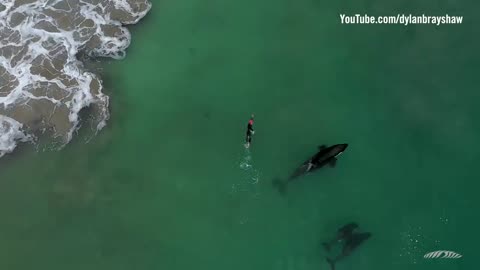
348 239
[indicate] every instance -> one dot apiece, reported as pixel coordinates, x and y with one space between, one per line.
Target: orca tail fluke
280 185
331 263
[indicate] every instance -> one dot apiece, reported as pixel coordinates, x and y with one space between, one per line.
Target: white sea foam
41 79
10 133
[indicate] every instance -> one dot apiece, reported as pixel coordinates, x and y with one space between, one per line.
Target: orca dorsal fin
321 147
333 163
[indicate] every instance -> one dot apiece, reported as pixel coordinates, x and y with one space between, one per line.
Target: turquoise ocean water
168 185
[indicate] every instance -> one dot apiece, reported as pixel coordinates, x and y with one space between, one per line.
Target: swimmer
250 132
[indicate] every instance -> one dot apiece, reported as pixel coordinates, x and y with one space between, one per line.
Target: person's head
252 116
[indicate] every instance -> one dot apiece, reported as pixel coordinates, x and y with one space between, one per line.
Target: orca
351 243
324 156
343 233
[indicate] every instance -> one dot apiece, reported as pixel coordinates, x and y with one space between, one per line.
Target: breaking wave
43 86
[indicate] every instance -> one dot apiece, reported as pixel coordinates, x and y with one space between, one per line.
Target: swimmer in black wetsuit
250 132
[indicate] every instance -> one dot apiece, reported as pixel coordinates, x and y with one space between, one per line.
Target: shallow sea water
168 185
